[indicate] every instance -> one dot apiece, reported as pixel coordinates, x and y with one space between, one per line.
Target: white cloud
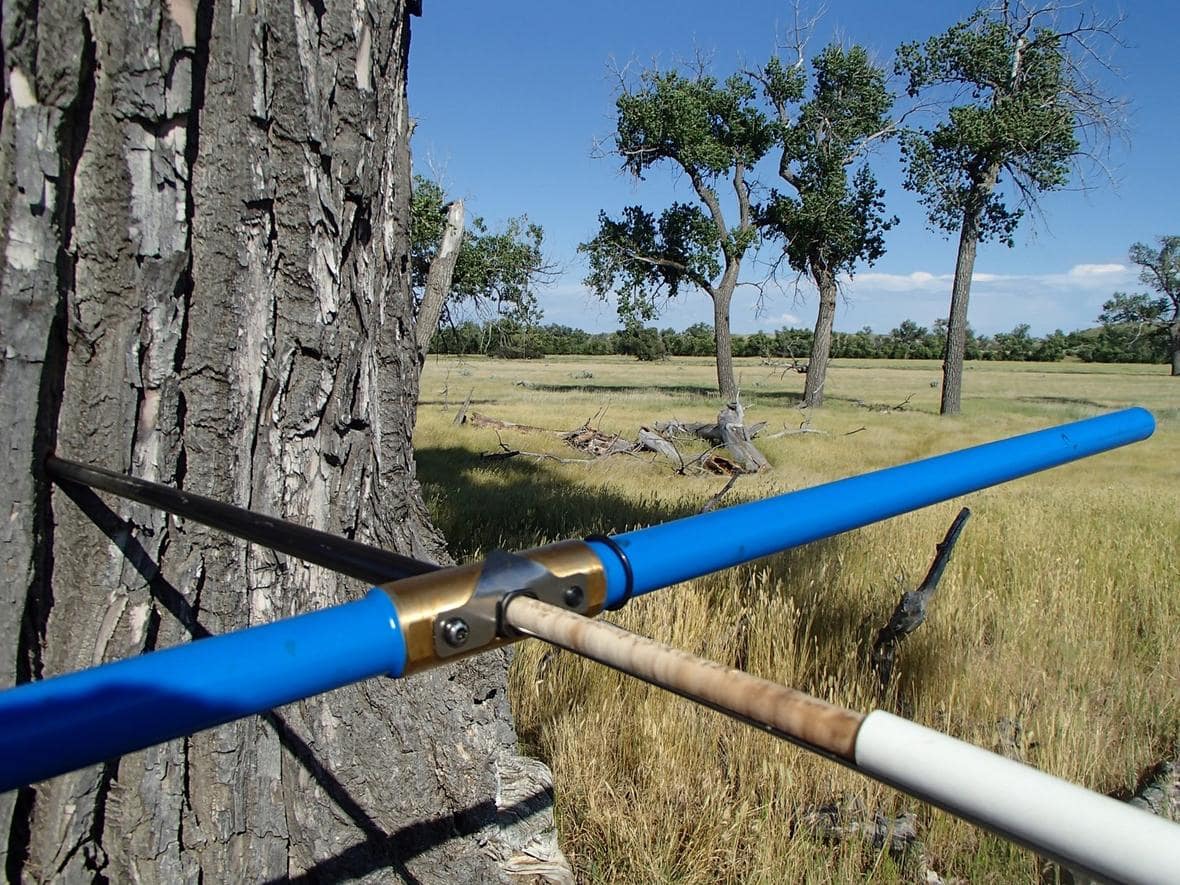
1096 270
892 282
1069 299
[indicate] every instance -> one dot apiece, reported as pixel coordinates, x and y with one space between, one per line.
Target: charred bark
205 284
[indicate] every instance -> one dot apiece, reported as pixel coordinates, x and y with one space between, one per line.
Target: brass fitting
435 605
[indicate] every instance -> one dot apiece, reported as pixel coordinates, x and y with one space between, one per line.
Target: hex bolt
455 632
573 596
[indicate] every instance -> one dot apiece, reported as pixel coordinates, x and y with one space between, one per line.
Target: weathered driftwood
438 278
720 465
700 429
885 408
712 503
657 438
477 420
461 415
597 443
649 439
804 427
782 368
911 608
736 438
504 452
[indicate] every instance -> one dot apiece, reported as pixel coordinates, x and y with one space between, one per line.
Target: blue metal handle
688 548
67 722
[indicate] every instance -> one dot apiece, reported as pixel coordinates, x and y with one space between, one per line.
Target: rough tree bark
438 278
956 332
821 342
722 296
205 283
1174 347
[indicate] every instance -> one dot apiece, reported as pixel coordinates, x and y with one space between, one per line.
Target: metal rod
227 677
1084 830
56 725
688 548
362 561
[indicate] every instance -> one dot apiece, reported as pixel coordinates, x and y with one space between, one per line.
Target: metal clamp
479 621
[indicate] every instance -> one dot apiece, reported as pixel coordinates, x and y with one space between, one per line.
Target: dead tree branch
911 608
712 503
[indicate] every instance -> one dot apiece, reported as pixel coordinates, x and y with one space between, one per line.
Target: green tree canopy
827 224
1152 316
712 132
496 272
1020 104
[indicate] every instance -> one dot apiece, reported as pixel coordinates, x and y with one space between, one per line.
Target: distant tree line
1113 342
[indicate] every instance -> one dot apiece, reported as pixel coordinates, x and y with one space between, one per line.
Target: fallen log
721 465
649 439
736 438
477 420
597 443
461 415
700 429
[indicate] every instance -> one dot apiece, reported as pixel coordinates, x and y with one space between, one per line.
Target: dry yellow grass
1060 609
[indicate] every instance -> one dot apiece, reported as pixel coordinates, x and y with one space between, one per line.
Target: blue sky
510 100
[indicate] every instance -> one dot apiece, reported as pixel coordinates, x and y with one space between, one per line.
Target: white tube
1083 830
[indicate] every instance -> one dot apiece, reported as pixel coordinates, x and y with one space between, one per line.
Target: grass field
1055 632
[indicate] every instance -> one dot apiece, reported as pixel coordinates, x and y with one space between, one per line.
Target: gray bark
731 421
654 442
821 342
205 216
438 278
722 297
956 332
702 429
1174 347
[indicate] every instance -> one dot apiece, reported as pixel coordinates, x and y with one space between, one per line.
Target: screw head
455 632
573 596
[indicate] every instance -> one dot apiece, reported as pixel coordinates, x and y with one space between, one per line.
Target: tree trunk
956 331
722 296
821 342
438 278
206 241
1174 342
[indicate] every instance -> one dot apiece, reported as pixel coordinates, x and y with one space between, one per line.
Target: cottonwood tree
1159 269
1024 112
713 133
205 211
491 271
827 224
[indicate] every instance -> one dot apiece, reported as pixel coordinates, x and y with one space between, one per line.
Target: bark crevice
187 266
